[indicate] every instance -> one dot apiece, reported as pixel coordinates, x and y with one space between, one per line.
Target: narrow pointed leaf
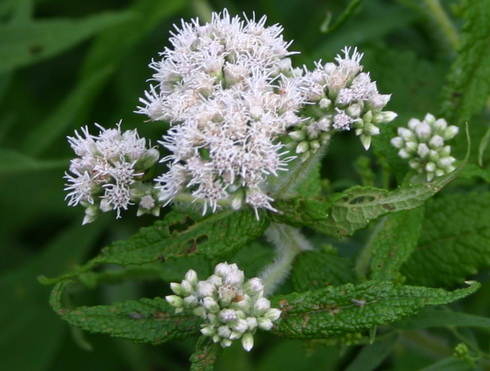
25 43
352 308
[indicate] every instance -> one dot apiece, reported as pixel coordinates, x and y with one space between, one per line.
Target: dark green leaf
454 242
56 124
394 242
468 83
372 355
179 234
26 43
352 308
318 269
437 318
144 321
28 324
342 214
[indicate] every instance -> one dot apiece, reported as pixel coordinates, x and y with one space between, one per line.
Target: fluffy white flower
226 88
108 173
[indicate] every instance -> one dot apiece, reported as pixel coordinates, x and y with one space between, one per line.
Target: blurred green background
66 64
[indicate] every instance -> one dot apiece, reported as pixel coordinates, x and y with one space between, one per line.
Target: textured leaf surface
469 84
144 321
180 234
454 242
25 43
394 242
353 308
342 214
318 269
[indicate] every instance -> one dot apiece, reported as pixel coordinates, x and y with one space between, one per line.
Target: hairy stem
288 242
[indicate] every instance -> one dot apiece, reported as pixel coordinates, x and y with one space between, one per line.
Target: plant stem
288 242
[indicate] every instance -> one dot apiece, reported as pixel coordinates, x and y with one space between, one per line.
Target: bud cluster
341 98
423 145
231 308
109 172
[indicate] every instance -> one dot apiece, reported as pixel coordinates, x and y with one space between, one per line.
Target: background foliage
68 64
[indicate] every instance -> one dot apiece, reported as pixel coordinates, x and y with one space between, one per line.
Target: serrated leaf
180 234
25 43
353 308
343 213
394 242
317 269
144 321
454 242
469 83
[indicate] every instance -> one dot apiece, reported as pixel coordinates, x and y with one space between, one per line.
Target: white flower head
108 173
227 89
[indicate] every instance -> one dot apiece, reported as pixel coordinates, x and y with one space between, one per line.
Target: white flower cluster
109 171
224 88
422 143
232 309
340 97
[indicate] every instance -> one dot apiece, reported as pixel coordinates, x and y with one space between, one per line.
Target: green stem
289 242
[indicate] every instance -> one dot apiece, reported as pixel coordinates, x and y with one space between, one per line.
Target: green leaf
205 355
343 213
352 308
438 318
15 162
468 82
454 242
317 269
56 124
394 242
144 321
23 43
450 364
179 234
28 324
372 355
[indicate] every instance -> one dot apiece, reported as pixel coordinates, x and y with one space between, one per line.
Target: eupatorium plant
244 132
